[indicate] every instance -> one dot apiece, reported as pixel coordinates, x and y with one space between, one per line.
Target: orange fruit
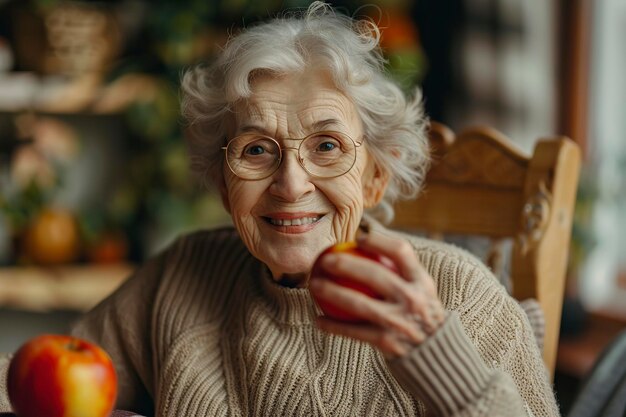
53 238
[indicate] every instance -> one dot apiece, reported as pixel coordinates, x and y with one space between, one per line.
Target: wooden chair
479 184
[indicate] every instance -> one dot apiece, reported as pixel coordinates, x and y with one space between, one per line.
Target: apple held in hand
333 310
61 376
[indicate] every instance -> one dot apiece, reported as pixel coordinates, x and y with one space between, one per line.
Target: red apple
333 310
61 376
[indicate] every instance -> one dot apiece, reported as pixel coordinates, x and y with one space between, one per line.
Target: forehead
296 102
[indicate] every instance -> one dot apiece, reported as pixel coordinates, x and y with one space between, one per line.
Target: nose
290 182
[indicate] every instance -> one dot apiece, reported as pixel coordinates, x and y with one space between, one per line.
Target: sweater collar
289 305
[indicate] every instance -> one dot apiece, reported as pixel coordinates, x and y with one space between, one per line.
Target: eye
256 147
326 146
254 150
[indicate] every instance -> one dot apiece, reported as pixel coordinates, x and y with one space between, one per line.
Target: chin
294 268
286 259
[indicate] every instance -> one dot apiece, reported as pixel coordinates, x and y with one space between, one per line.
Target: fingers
409 310
365 271
401 252
380 313
411 297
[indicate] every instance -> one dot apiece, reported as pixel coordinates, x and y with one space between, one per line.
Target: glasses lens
252 156
328 154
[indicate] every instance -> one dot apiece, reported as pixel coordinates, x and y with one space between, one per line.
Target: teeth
293 222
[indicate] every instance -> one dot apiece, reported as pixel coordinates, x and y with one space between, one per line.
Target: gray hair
394 126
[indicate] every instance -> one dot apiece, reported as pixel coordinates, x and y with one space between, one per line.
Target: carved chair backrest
480 184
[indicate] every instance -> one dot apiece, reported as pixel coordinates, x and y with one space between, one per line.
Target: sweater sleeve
448 375
121 324
484 360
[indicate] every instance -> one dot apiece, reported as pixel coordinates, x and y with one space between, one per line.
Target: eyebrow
253 128
323 124
315 127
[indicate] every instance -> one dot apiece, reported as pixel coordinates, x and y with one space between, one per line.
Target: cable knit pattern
204 331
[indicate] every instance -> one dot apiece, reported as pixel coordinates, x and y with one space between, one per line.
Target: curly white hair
394 125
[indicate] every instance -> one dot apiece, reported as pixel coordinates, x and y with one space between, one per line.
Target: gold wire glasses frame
325 154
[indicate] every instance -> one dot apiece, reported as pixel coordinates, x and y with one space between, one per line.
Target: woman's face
329 209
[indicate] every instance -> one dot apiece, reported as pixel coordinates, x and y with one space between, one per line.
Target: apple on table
61 376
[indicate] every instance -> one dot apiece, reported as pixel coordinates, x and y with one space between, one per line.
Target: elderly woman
308 143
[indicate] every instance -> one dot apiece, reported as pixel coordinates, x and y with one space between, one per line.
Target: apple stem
74 344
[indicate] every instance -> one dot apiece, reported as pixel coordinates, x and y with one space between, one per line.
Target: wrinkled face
287 219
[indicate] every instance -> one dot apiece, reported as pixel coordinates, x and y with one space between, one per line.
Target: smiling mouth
301 221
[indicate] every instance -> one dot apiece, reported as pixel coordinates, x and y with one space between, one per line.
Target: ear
224 194
375 181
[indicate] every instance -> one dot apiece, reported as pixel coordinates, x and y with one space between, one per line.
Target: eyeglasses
326 154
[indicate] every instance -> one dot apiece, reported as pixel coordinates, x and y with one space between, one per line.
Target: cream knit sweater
204 331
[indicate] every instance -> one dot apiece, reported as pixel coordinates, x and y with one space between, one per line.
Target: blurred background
93 169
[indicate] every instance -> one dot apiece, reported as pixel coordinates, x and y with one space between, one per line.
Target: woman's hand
410 310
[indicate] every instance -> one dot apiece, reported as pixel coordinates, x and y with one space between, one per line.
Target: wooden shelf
75 287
